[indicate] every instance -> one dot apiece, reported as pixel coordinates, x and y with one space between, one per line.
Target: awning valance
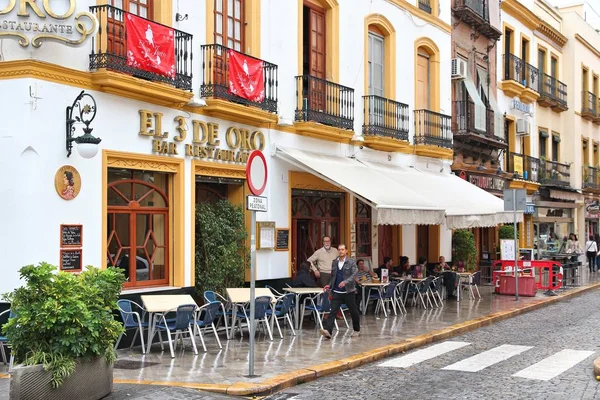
466 205
396 203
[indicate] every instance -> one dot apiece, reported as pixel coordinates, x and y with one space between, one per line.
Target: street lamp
87 145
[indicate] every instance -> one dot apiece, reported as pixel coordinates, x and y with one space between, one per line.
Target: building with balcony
477 121
354 120
535 96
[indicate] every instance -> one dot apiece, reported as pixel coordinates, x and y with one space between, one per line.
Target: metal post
516 245
252 290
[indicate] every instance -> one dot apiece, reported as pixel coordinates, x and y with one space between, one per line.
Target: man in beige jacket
321 261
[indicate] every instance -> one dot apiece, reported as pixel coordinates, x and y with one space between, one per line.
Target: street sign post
256 177
515 200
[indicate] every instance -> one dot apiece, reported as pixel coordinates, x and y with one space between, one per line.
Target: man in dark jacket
343 288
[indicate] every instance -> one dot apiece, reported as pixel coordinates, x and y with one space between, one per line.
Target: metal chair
399 290
185 317
261 305
473 283
206 317
226 308
282 310
384 298
319 306
133 318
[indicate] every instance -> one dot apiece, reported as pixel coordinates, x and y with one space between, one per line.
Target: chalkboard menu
71 235
70 260
282 240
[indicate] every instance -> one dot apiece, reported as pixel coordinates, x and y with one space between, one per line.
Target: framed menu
70 260
266 235
282 239
71 235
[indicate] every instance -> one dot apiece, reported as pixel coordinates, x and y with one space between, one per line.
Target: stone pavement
296 359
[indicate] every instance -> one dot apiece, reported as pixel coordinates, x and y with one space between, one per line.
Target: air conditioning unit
459 68
522 127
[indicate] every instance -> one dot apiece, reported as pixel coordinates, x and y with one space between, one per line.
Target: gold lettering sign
205 142
35 21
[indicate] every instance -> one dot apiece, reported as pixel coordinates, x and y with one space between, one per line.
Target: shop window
363 229
138 226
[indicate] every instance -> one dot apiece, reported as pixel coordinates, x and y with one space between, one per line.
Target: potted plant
62 332
464 252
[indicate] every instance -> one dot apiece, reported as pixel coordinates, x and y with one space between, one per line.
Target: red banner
246 78
150 46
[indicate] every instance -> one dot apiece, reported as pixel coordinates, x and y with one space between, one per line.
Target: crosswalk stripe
424 354
488 358
554 365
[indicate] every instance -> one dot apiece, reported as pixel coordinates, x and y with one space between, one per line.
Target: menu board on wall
507 249
266 235
282 239
71 235
70 260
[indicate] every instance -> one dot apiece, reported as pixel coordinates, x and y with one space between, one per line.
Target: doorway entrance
428 242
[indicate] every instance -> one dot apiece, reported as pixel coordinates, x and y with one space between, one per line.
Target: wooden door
116 35
229 33
385 233
422 241
423 82
316 58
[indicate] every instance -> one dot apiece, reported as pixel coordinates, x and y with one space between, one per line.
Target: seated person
364 273
442 265
420 269
403 269
387 263
303 278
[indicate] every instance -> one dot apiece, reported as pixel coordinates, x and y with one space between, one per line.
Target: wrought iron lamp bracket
84 108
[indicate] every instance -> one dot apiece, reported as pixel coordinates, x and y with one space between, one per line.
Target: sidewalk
296 359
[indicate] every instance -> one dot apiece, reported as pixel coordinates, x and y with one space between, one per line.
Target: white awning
480 110
466 205
396 202
498 115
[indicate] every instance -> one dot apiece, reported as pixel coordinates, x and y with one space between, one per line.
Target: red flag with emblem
150 46
246 77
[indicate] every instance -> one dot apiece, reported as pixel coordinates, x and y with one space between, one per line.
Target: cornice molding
533 22
587 44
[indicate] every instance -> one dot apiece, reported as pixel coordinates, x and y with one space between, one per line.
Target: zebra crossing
544 370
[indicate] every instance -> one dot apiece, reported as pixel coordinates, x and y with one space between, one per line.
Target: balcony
464 130
591 178
553 173
524 167
476 14
553 93
588 105
109 51
327 103
531 83
514 73
425 5
386 118
433 129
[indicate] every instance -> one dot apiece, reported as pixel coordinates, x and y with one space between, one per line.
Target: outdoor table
298 292
240 296
371 285
161 304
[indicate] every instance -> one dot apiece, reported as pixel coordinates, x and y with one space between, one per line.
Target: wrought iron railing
385 117
531 77
433 128
325 102
561 93
425 5
463 120
215 78
548 86
514 68
109 49
524 167
588 103
555 173
479 7
591 177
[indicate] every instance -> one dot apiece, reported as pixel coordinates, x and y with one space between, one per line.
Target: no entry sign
256 172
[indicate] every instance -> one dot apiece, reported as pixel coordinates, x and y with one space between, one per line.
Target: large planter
92 380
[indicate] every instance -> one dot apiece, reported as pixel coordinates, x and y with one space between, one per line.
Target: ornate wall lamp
87 145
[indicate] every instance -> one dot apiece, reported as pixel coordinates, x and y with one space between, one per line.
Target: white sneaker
355 334
326 333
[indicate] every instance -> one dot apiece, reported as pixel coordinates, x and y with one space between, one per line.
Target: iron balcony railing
425 5
325 102
463 120
479 7
548 86
524 167
561 95
591 177
109 49
555 174
433 128
385 117
531 78
514 68
588 104
215 78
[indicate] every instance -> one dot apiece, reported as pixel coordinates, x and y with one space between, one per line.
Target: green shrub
464 249
221 253
507 232
61 317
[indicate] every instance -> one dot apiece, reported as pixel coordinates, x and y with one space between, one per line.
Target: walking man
320 262
342 285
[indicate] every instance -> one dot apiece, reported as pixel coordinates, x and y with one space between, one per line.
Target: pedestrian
591 250
343 288
323 258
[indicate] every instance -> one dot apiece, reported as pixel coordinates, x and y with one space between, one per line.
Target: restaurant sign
592 209
205 142
487 182
35 21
